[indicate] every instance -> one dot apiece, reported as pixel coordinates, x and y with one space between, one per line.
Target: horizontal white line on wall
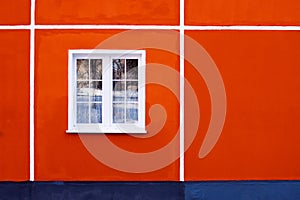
14 27
249 28
149 27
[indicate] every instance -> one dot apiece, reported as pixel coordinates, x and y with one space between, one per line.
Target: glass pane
96 91
131 113
82 91
132 68
82 113
132 90
118 90
118 113
118 68
96 113
82 69
96 69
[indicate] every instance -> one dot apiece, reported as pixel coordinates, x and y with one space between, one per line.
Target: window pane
96 69
82 69
83 91
118 68
132 91
96 91
118 90
118 113
82 113
131 112
96 113
132 68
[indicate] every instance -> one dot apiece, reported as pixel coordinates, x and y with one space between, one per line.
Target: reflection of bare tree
132 73
96 69
96 85
82 84
118 85
96 88
118 68
132 68
82 69
132 90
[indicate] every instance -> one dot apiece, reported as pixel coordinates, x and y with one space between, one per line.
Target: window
106 91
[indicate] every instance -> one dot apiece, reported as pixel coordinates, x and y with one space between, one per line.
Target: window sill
104 130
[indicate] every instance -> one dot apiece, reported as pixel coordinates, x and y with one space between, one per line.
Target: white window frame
107 126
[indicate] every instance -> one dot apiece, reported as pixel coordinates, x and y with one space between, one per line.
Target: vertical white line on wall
181 47
31 126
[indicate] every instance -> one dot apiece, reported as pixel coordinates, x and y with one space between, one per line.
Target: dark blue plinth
212 190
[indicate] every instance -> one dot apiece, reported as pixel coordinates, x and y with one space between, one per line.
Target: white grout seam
146 27
245 28
31 78
181 86
149 27
15 27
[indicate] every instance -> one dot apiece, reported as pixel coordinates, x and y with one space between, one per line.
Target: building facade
220 96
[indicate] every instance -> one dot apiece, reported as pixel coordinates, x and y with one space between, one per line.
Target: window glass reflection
131 112
96 113
118 113
82 69
118 68
82 113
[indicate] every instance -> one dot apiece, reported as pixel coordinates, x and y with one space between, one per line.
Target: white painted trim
181 86
146 27
151 27
15 27
246 28
128 129
106 99
90 52
71 106
31 79
142 88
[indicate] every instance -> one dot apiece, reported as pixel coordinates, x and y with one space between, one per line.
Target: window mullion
89 94
106 104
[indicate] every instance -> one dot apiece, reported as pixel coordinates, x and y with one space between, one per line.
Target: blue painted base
244 190
214 190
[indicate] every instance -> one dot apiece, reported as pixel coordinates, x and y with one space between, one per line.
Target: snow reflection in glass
125 84
83 113
96 113
89 91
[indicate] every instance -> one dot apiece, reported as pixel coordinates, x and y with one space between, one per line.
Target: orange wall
108 12
246 12
260 139
15 12
14 105
62 156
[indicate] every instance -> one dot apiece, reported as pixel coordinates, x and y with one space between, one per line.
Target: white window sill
103 130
